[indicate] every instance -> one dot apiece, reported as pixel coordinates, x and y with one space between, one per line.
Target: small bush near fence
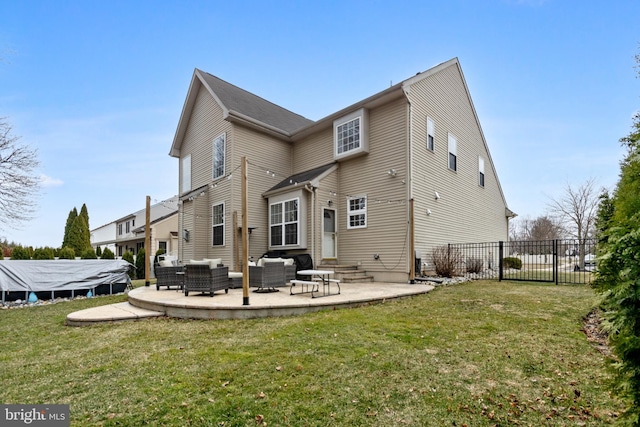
474 265
512 262
446 260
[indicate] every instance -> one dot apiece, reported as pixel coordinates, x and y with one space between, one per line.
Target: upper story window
284 223
218 225
128 226
480 171
120 229
185 178
351 135
453 153
431 134
218 156
357 212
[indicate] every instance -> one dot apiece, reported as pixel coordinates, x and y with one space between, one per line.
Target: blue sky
97 87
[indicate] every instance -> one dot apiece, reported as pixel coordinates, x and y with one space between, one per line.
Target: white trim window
453 153
284 224
219 145
480 171
357 212
350 134
217 225
185 163
431 134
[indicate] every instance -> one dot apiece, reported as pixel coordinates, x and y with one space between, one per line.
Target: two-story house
398 173
128 233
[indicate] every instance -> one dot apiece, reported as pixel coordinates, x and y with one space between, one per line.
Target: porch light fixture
329 202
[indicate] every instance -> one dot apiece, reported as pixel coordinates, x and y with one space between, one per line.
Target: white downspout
312 190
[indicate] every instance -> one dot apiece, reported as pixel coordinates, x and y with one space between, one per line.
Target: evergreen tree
66 253
99 251
140 267
128 256
43 253
73 214
20 253
78 238
89 254
107 254
86 231
618 275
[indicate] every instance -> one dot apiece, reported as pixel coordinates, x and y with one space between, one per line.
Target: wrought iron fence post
555 261
500 262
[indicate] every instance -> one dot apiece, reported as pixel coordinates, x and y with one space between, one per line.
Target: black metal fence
556 261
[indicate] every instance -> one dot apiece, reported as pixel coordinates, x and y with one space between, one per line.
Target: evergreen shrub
66 253
512 262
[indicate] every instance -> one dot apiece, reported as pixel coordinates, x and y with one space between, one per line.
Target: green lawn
481 353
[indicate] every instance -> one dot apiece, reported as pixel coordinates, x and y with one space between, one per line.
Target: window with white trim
350 134
284 223
431 134
453 153
217 225
218 156
480 171
185 166
357 212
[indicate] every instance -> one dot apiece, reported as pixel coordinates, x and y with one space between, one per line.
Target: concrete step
109 313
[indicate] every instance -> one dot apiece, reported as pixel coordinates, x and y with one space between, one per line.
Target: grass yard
478 354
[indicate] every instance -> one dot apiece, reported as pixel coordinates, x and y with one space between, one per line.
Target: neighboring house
128 233
398 173
104 237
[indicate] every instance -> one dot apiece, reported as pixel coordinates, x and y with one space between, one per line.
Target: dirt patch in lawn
592 328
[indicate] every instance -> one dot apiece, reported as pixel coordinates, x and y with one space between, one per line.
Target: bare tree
545 228
577 211
18 185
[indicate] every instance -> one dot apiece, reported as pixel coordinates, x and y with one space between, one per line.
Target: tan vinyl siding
264 153
205 124
465 211
315 150
386 229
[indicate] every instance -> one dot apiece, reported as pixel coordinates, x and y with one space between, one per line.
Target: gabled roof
238 100
238 105
303 178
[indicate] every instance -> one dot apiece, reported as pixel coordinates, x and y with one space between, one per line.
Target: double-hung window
217 224
480 171
284 223
218 156
431 134
453 153
357 212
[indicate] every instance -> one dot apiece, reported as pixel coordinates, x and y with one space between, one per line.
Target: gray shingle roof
241 101
302 177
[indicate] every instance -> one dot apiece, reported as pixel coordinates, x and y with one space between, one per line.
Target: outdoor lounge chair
201 278
169 277
267 277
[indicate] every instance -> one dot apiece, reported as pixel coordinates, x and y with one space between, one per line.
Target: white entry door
329 248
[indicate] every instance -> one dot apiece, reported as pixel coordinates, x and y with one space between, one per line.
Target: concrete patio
147 302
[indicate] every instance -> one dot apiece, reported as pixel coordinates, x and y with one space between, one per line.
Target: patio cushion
213 262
